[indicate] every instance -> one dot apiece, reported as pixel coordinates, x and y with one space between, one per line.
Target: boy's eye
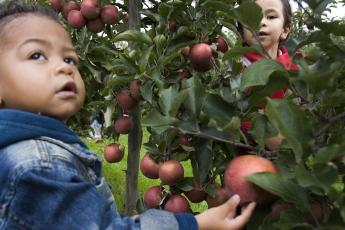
37 56
71 61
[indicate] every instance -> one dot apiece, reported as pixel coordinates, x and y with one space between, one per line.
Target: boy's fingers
242 219
229 207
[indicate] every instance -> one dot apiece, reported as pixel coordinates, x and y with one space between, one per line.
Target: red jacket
285 59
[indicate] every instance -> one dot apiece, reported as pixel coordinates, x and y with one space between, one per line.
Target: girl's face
38 68
272 29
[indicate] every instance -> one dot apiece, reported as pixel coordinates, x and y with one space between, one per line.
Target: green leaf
133 36
144 58
249 14
186 184
165 60
171 99
259 72
292 123
175 2
329 153
203 156
276 82
153 16
218 135
146 90
258 129
285 189
195 95
322 178
94 71
215 107
217 6
155 119
239 51
121 64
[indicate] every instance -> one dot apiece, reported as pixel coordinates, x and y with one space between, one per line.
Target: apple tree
195 93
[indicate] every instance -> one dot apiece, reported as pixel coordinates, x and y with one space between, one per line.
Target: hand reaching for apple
224 216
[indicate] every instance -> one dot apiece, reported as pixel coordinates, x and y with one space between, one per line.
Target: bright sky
338 12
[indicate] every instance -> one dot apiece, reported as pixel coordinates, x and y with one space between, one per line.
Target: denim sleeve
43 199
186 221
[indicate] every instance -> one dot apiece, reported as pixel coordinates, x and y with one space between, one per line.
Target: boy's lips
69 89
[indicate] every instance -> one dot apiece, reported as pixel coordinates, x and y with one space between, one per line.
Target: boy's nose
64 68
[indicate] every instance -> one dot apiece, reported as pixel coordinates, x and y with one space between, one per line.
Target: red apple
90 9
309 24
149 167
113 153
56 5
276 209
315 213
222 46
184 140
153 196
218 199
125 100
135 89
172 25
185 73
201 57
109 14
170 172
67 7
243 166
196 195
124 17
185 51
177 203
76 19
95 25
123 125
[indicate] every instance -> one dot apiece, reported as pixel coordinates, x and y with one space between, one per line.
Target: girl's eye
71 61
37 56
271 17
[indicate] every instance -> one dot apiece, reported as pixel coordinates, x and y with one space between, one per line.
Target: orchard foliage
205 106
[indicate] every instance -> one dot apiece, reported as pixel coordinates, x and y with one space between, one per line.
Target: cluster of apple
127 100
88 13
201 55
171 172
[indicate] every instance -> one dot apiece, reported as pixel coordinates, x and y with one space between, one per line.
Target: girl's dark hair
12 9
287 12
287 15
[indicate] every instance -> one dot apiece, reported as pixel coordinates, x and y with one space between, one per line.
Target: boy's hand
224 216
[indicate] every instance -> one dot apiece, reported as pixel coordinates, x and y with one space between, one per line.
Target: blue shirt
50 180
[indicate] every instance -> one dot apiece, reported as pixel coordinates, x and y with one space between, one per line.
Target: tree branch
203 135
331 121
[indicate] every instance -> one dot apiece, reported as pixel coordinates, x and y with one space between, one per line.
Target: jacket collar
18 125
283 57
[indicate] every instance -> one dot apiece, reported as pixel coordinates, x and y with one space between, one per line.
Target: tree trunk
135 136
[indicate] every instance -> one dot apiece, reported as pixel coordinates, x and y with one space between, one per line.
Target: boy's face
38 68
272 25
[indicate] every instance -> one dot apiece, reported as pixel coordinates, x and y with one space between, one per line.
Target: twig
331 121
203 135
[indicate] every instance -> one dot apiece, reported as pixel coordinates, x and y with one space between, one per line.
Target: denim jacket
50 180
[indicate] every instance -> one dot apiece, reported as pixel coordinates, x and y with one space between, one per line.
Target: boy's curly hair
10 10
